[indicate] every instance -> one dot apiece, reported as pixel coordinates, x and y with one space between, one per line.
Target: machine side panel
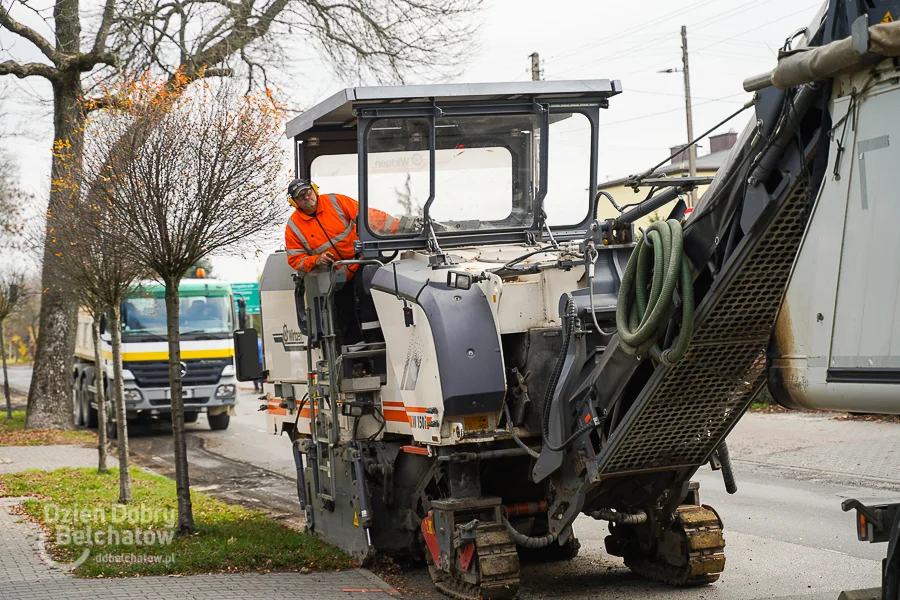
837 344
413 369
866 334
465 338
284 347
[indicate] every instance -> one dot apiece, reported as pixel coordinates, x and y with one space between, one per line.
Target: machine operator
321 231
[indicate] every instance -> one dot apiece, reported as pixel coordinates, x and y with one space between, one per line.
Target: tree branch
242 34
29 34
109 11
21 71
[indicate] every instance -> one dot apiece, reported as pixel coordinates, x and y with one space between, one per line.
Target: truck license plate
184 393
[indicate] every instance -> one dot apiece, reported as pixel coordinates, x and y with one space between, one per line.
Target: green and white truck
206 318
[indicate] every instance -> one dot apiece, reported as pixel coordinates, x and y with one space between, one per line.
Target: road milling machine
531 356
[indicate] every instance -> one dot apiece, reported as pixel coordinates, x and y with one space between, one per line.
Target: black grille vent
155 373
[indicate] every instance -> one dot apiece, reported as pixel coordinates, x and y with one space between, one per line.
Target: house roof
708 162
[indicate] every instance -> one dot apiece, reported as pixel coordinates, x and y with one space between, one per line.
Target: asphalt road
785 533
19 379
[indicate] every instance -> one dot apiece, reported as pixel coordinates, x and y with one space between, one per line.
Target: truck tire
218 422
112 432
92 417
77 400
190 416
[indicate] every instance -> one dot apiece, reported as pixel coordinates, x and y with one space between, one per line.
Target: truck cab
206 321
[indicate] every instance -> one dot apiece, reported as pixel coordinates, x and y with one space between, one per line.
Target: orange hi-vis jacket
331 229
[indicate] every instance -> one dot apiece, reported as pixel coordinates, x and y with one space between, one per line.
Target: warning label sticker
888 17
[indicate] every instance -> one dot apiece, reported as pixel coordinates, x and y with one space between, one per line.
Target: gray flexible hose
620 518
527 541
520 443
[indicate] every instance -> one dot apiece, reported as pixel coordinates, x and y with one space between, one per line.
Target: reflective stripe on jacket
331 229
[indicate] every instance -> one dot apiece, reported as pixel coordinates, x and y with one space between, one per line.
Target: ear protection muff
315 190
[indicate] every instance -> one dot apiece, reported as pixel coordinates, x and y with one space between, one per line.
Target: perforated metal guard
685 411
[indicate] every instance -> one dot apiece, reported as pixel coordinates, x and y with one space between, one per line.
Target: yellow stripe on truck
211 353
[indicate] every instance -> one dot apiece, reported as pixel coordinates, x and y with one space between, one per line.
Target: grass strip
78 511
13 433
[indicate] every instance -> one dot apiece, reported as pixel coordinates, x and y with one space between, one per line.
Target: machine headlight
133 396
228 371
226 391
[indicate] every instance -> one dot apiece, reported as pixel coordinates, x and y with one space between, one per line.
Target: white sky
728 40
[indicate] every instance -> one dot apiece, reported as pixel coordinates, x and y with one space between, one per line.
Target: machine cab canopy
459 164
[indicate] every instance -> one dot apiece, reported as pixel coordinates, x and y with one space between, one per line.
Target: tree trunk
119 398
50 395
182 480
99 397
5 376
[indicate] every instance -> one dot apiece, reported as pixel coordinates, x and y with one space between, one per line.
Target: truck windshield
198 316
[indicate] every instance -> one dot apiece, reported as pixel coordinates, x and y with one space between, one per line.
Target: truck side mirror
102 324
246 355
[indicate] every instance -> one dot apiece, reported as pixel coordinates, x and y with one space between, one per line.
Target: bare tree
200 173
12 286
382 39
12 199
92 259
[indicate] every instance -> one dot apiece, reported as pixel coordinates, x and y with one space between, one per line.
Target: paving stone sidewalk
26 575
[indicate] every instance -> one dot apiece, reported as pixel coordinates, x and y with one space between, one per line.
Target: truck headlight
127 375
228 371
133 396
226 391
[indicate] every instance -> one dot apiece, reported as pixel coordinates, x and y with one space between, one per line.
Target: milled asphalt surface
785 533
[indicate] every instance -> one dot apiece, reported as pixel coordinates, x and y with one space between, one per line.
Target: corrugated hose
658 262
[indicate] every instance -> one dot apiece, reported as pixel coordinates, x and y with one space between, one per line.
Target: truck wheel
112 432
218 422
190 416
77 404
92 417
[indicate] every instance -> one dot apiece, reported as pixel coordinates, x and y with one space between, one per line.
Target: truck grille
155 373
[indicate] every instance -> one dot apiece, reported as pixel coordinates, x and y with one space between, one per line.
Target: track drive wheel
494 568
690 552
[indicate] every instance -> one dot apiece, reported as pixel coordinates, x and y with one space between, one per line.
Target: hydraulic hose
526 541
512 432
657 261
621 518
569 334
727 468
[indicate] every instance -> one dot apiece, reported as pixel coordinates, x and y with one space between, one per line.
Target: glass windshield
398 174
569 195
198 315
483 167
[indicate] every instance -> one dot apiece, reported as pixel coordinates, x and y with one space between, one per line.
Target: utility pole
535 66
692 149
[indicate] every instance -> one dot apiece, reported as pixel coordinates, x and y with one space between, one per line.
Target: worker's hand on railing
325 259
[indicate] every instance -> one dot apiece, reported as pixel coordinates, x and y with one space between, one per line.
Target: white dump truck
206 318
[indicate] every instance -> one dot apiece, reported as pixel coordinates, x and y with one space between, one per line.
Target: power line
665 112
711 20
781 18
641 26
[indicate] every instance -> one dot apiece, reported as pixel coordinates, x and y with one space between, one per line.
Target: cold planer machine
533 359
